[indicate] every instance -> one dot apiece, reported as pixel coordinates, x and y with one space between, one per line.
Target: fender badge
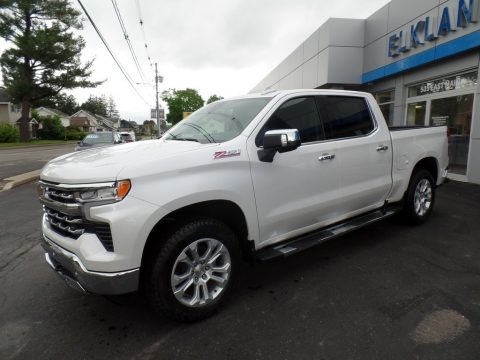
225 154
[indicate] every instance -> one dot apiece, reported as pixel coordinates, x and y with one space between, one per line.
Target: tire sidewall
159 285
412 215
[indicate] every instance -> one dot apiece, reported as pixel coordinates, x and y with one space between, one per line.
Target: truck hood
105 163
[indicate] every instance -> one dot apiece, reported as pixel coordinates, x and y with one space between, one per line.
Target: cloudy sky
215 46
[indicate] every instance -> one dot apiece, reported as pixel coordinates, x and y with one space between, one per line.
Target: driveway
387 291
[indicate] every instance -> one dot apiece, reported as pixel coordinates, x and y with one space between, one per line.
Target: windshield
218 122
98 138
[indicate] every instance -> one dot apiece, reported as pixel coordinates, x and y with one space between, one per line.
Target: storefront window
456 113
416 113
454 82
386 100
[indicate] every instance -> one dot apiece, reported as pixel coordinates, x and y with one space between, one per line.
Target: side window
298 113
344 116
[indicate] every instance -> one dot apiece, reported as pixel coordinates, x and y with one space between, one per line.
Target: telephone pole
156 98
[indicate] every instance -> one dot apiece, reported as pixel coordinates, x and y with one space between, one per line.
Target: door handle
326 157
382 148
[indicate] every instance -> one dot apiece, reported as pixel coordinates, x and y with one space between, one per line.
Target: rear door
363 152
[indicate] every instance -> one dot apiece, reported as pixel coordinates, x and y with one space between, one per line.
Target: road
387 291
15 161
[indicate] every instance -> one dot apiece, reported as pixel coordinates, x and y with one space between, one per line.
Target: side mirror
278 140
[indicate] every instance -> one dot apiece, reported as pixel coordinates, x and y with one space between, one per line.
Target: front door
298 191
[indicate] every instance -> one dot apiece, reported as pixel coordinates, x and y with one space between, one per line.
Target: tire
198 261
420 197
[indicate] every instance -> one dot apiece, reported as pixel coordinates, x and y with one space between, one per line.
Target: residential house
64 118
88 122
9 112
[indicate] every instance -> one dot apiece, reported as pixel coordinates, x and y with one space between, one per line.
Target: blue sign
428 29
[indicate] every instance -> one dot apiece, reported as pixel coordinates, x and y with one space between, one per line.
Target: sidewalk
14 181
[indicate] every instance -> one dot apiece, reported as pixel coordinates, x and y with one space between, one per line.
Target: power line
140 18
111 53
127 39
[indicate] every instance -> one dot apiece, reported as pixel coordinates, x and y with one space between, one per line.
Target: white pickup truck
252 177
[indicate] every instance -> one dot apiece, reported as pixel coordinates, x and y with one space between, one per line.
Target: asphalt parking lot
387 291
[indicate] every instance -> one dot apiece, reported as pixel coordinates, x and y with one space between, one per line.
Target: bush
74 134
52 128
9 133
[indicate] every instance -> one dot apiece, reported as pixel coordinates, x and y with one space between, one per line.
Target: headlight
112 193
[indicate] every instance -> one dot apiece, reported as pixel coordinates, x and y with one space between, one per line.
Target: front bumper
69 267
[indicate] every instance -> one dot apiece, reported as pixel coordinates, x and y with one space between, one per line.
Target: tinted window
345 116
299 113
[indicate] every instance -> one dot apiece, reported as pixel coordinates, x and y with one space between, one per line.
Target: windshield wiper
202 131
175 137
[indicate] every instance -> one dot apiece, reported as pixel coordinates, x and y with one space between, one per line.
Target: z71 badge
224 154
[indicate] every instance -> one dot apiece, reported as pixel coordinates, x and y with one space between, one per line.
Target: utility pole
156 98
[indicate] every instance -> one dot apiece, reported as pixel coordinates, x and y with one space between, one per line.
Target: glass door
446 101
456 113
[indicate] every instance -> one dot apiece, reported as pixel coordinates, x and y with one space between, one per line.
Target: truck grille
64 214
63 196
64 224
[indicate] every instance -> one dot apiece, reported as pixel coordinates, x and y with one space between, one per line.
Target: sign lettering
428 29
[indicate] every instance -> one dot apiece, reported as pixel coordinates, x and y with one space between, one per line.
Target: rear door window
344 116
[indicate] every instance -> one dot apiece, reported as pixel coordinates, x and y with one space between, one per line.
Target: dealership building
419 58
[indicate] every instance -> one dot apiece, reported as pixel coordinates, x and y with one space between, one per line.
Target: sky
215 46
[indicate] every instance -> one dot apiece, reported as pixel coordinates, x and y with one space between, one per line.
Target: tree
214 98
45 55
149 127
180 101
52 128
96 105
63 102
112 111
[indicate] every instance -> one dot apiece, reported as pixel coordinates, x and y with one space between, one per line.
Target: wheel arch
225 211
428 163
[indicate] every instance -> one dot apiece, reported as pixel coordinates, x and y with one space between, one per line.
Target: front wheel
420 197
192 272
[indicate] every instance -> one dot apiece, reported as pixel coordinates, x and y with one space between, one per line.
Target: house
9 112
106 123
64 118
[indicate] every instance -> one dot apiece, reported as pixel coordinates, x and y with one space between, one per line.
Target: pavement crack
21 253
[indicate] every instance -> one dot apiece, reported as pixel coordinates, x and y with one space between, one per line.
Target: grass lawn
36 143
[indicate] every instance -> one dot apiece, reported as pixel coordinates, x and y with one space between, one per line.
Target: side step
303 242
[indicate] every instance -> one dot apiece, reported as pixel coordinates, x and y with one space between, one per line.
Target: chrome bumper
71 269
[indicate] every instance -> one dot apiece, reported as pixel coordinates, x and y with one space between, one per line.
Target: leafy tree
52 128
112 111
96 105
63 102
149 127
214 98
45 55
180 101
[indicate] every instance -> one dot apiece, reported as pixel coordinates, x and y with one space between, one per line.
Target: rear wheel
420 197
192 272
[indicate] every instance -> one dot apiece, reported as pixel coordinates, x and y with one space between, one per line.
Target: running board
303 242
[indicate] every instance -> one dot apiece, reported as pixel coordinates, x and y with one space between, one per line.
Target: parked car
99 139
254 177
126 137
130 135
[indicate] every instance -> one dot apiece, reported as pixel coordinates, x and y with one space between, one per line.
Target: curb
21 179
36 145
